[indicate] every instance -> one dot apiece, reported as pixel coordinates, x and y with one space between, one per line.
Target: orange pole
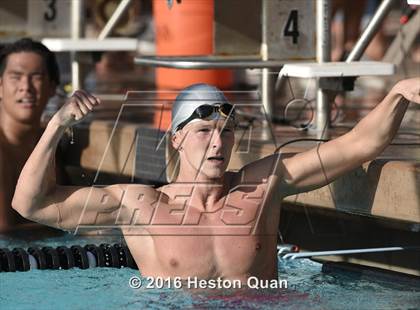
186 30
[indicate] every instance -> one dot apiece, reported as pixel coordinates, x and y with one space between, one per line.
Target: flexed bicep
96 207
69 207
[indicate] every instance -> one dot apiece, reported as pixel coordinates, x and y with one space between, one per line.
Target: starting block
336 76
93 45
337 69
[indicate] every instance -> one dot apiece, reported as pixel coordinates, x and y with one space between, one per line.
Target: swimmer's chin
213 176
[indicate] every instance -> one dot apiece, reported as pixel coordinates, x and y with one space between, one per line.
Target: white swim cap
190 98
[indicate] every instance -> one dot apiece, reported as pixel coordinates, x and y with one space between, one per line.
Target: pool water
99 288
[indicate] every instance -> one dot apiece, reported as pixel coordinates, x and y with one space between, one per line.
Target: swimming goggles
225 109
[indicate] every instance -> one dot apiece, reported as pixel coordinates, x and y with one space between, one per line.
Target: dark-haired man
28 78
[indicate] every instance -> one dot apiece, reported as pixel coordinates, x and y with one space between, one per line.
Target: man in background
29 76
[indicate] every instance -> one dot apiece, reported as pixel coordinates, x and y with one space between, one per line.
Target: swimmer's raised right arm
39 198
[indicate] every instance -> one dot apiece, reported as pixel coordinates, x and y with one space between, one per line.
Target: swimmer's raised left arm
321 165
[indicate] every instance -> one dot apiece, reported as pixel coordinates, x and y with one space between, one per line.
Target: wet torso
233 239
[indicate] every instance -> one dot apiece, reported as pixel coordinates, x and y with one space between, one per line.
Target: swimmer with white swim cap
210 223
204 113
199 101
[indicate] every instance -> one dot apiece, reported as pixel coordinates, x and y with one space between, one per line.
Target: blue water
100 288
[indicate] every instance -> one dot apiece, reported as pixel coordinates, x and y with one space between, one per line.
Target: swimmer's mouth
216 159
27 102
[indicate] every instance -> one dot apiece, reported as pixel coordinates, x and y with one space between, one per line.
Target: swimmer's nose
216 141
25 83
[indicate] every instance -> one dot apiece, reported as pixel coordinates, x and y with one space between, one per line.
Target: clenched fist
409 89
76 108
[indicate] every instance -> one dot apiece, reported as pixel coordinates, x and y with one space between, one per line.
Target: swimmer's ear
177 139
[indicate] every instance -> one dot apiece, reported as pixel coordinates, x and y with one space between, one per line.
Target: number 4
291 28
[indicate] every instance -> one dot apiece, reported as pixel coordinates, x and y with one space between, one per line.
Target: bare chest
235 238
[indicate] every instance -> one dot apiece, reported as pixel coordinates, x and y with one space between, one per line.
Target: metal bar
205 62
268 83
344 252
76 19
264 34
268 80
323 51
323 40
113 20
76 33
370 30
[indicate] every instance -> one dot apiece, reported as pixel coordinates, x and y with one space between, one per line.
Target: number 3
291 28
52 12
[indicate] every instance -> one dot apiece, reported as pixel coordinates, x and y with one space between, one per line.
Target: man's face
25 87
207 147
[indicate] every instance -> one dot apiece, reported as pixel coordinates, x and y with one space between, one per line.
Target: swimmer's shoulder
134 196
140 189
131 191
168 191
269 171
260 170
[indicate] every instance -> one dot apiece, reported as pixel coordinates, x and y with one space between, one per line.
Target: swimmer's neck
17 132
205 192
